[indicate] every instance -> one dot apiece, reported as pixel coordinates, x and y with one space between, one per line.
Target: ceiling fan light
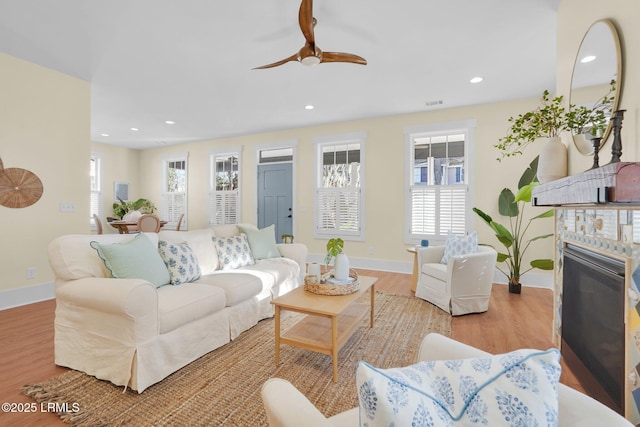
310 60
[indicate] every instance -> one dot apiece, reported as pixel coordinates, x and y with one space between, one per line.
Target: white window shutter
423 210
223 207
452 213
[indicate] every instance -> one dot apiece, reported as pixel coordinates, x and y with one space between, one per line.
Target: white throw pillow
233 252
181 262
459 245
512 389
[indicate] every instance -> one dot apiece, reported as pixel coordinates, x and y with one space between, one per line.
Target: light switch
67 207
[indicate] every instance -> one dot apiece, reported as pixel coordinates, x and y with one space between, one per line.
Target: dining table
126 227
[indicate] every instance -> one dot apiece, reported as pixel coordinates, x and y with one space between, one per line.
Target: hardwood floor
513 321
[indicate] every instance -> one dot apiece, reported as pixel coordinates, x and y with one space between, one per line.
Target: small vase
552 163
341 267
132 216
515 288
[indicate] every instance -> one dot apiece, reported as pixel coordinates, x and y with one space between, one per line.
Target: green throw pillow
136 259
262 242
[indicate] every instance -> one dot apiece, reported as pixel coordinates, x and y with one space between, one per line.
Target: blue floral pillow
233 252
181 262
512 389
459 245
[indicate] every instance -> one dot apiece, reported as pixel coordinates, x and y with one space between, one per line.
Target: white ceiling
191 61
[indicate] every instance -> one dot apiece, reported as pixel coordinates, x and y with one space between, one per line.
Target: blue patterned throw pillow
181 262
512 389
459 245
233 252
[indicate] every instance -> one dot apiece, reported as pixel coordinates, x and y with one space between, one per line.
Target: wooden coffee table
330 320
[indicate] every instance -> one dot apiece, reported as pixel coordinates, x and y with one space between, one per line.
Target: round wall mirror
595 85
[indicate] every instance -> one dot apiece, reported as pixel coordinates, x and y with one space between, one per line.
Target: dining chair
149 223
96 219
179 222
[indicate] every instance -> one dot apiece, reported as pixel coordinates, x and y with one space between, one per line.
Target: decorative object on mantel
19 188
513 239
616 147
547 121
596 149
611 183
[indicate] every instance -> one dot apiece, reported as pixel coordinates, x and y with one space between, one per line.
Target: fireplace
593 327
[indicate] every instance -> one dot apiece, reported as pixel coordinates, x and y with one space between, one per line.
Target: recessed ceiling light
135 129
104 134
476 80
170 122
309 107
588 59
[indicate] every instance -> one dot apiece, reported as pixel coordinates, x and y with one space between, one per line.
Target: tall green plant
513 235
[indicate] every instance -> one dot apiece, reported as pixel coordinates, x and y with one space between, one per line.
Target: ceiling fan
310 54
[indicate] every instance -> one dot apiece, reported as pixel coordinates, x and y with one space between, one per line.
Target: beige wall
574 19
44 128
121 165
385 163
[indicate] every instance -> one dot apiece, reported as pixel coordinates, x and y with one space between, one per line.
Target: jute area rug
222 388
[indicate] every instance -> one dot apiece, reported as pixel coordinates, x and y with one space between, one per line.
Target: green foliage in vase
334 247
593 122
144 206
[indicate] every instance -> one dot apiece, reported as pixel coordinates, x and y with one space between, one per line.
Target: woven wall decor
19 188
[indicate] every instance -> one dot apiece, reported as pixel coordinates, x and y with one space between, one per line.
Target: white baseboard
533 279
26 295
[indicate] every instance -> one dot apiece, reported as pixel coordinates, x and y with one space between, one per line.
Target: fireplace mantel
617 183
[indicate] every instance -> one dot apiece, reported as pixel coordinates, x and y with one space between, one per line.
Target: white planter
132 216
552 163
341 267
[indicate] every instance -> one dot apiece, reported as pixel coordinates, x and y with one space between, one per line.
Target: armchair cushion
518 388
136 259
459 245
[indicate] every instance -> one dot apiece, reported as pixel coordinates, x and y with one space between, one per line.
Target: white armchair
461 286
287 407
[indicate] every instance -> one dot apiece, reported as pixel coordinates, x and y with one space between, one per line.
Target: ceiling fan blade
305 18
343 57
293 57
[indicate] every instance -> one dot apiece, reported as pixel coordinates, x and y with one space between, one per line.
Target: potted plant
588 123
513 235
143 206
341 264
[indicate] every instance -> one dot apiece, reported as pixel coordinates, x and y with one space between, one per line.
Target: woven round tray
325 288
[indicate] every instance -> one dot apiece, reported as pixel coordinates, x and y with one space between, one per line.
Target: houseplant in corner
546 121
513 235
341 264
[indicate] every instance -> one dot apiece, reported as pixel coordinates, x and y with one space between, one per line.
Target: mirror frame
618 90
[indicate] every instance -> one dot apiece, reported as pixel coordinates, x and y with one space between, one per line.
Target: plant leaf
530 174
524 194
541 237
502 257
546 214
483 215
506 203
542 264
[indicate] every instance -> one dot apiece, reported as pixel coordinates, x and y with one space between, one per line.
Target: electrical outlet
31 273
67 207
372 250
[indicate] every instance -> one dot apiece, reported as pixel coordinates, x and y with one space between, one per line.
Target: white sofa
133 334
287 407
462 285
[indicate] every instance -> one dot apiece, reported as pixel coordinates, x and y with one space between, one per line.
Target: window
174 191
339 209
96 199
438 191
224 188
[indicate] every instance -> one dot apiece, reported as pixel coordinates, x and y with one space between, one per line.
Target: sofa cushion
137 258
228 230
437 270
459 245
237 286
518 388
181 262
233 252
200 243
262 242
179 305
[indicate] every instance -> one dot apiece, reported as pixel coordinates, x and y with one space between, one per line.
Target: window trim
436 129
175 157
318 143
99 157
211 187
